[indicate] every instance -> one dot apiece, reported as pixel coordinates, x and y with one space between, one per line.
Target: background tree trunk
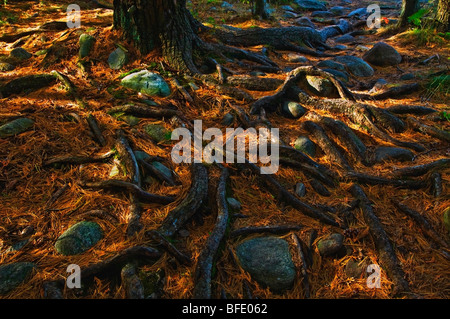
443 15
409 7
259 9
159 24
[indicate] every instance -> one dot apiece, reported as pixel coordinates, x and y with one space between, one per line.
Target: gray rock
300 189
340 47
386 153
233 203
117 59
295 58
407 76
20 53
322 14
167 172
321 87
359 13
15 127
292 110
18 245
14 274
226 5
290 15
342 75
228 119
356 66
287 8
331 65
305 145
379 84
305 22
157 132
338 10
147 82
78 238
331 245
86 43
346 38
310 5
268 261
382 54
5 66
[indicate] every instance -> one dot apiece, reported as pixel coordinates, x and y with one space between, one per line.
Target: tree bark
443 16
409 7
159 24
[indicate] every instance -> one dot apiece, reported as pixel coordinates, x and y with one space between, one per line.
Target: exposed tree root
78 160
410 109
254 83
375 180
27 83
144 111
203 270
70 87
429 130
139 254
419 170
304 269
123 186
392 93
385 249
176 218
133 286
423 223
93 125
168 247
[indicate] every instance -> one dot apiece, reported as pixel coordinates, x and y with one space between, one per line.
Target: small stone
16 127
321 87
386 153
20 53
322 14
14 274
310 5
356 66
300 189
287 8
346 38
305 22
361 48
228 119
331 245
233 203
295 58
355 268
338 10
340 47
268 261
147 82
157 132
78 238
331 65
290 15
292 110
379 84
86 43
117 59
407 76
305 145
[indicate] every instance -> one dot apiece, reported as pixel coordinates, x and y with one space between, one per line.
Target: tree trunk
159 24
443 15
259 9
409 7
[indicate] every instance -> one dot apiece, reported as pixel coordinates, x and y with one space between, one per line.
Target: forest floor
28 187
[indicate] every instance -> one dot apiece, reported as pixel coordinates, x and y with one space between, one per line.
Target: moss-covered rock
79 238
16 127
12 275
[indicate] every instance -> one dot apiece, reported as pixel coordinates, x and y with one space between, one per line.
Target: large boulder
79 238
147 82
12 275
382 54
268 261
